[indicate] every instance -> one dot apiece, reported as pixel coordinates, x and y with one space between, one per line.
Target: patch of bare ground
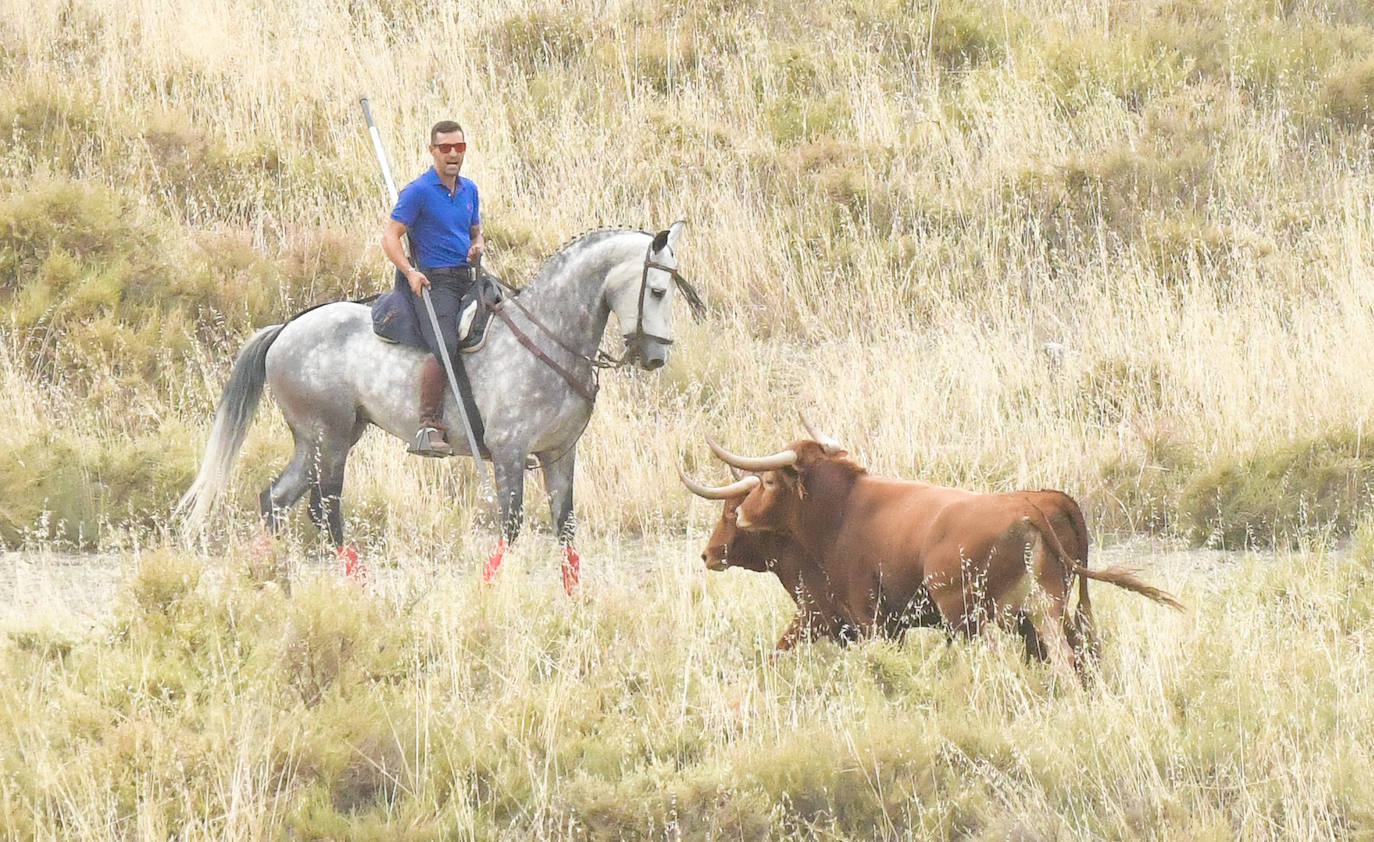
75 591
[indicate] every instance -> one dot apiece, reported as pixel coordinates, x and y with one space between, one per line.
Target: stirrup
429 441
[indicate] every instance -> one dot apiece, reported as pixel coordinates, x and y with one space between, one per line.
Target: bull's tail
1124 577
233 415
1083 613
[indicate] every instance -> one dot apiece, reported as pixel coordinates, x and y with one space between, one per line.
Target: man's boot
431 439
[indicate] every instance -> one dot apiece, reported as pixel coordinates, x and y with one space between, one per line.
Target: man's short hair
443 127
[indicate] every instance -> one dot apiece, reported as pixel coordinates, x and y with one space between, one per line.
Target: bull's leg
791 634
799 630
1047 608
1035 648
510 497
1083 636
1049 626
558 479
958 603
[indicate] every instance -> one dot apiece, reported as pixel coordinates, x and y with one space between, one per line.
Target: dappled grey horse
534 382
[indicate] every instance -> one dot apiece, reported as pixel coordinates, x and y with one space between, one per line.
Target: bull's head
774 504
729 546
722 548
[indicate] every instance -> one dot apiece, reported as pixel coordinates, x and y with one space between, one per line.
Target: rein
588 392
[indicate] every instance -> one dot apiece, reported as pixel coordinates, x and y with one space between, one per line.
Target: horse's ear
668 238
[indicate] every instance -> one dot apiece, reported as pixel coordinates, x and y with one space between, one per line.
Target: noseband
634 341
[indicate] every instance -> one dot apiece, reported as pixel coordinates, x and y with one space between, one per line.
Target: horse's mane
546 268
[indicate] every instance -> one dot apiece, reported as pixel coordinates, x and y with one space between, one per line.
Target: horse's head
644 306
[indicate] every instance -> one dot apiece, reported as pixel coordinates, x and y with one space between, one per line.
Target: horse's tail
237 405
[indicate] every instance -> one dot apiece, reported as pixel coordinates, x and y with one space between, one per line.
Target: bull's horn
724 492
829 445
781 459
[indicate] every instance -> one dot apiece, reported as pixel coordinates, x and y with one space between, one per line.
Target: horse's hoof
354 569
493 562
572 571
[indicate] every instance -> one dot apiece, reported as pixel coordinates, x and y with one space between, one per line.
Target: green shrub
1119 192
526 43
1141 494
336 641
64 486
1115 389
790 118
46 492
51 125
1283 494
164 581
964 35
1184 241
1347 96
1275 57
1081 68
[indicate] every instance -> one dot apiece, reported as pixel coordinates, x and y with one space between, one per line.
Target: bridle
634 341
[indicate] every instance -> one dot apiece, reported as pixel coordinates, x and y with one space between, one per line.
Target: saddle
475 311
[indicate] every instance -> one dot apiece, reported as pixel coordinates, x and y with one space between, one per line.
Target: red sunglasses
445 148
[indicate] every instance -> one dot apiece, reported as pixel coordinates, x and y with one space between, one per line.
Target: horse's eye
659 293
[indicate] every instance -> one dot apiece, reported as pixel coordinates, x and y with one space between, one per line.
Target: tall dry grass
894 207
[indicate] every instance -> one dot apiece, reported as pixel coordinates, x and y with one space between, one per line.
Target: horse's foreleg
558 479
326 492
510 497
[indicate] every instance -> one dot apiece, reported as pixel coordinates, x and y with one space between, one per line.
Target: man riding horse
440 213
533 376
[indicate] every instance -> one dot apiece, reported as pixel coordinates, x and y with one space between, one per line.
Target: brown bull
823 610
897 553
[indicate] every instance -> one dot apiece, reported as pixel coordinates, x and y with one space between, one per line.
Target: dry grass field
894 207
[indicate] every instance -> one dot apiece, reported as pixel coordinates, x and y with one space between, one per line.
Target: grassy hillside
894 209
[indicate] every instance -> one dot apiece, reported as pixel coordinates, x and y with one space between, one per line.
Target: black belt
459 274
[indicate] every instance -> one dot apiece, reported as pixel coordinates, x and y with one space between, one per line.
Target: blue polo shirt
438 222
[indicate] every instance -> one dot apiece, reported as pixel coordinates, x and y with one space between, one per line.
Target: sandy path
79 591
